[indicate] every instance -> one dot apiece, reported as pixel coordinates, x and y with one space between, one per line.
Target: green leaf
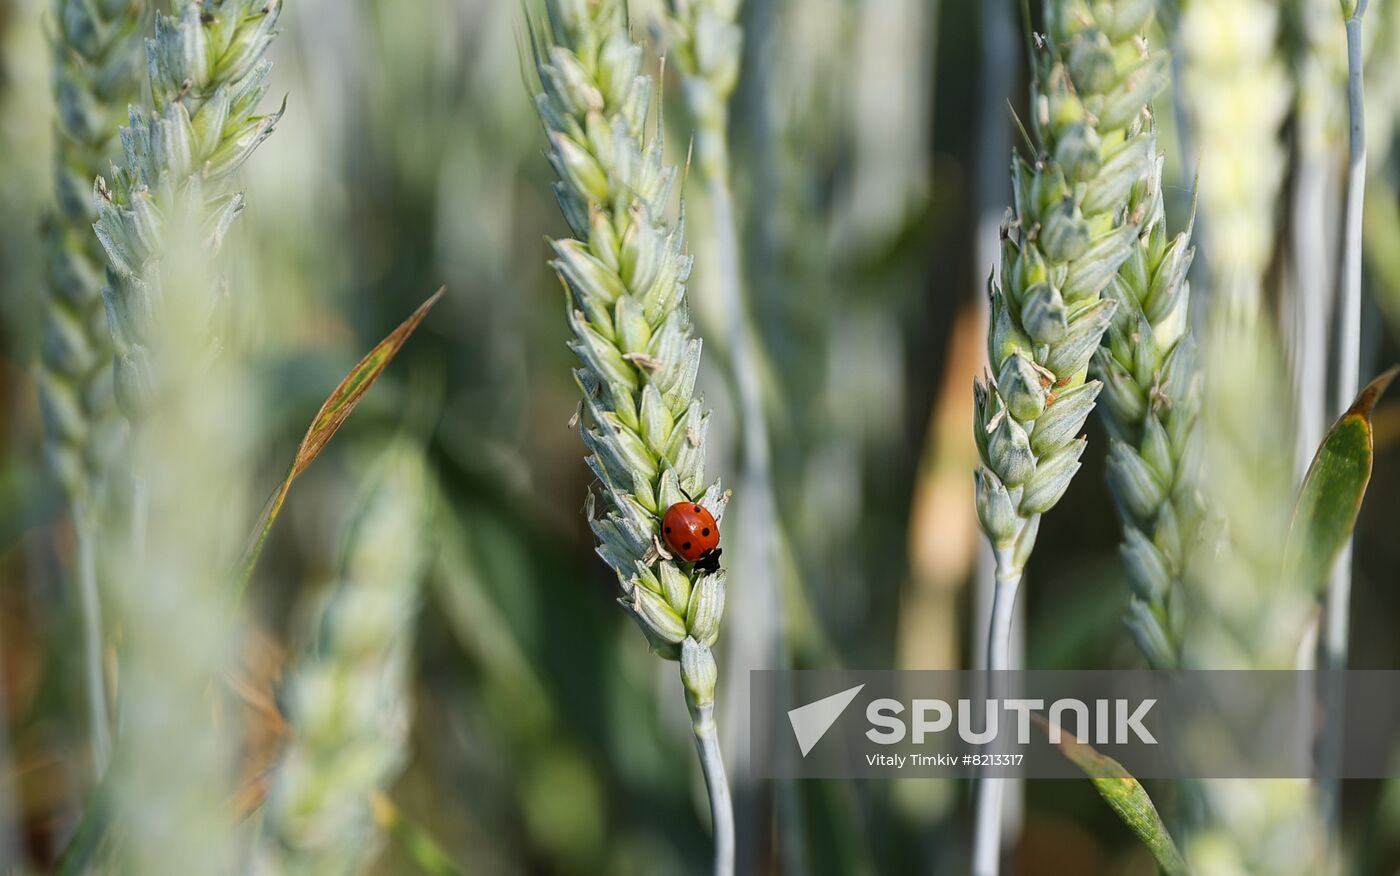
1126 796
1333 488
330 418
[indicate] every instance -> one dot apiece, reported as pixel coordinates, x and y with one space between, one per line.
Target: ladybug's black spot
705 531
697 509
686 546
668 530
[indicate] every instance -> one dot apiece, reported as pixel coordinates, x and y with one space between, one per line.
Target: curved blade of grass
1333 488
329 419
1127 797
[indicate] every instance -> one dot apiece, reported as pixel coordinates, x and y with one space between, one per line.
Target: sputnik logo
810 722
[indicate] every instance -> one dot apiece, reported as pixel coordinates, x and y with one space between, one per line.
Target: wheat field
420 418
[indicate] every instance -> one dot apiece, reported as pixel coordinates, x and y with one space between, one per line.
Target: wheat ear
1237 96
625 272
1241 616
1072 227
207 74
348 700
97 53
161 217
1150 406
96 74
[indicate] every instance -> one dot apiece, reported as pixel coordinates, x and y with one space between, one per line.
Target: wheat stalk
1148 366
161 220
1072 227
624 271
1349 350
1336 630
207 74
705 44
1237 95
175 598
181 624
177 609
1319 70
348 699
96 74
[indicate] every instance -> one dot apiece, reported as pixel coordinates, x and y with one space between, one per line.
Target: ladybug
692 534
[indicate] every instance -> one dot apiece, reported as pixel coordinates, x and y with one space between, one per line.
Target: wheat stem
1003 609
706 48
1338 601
999 54
743 356
90 600
1320 78
760 533
1312 289
987 843
717 784
1349 348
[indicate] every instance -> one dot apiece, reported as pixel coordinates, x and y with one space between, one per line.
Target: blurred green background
871 143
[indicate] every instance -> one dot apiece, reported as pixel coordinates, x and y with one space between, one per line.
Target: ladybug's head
709 561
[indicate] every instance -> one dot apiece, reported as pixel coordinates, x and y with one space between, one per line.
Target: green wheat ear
1151 406
348 698
1073 225
1237 97
625 270
97 73
162 214
207 75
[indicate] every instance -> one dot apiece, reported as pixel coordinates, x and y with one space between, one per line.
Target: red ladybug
692 534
